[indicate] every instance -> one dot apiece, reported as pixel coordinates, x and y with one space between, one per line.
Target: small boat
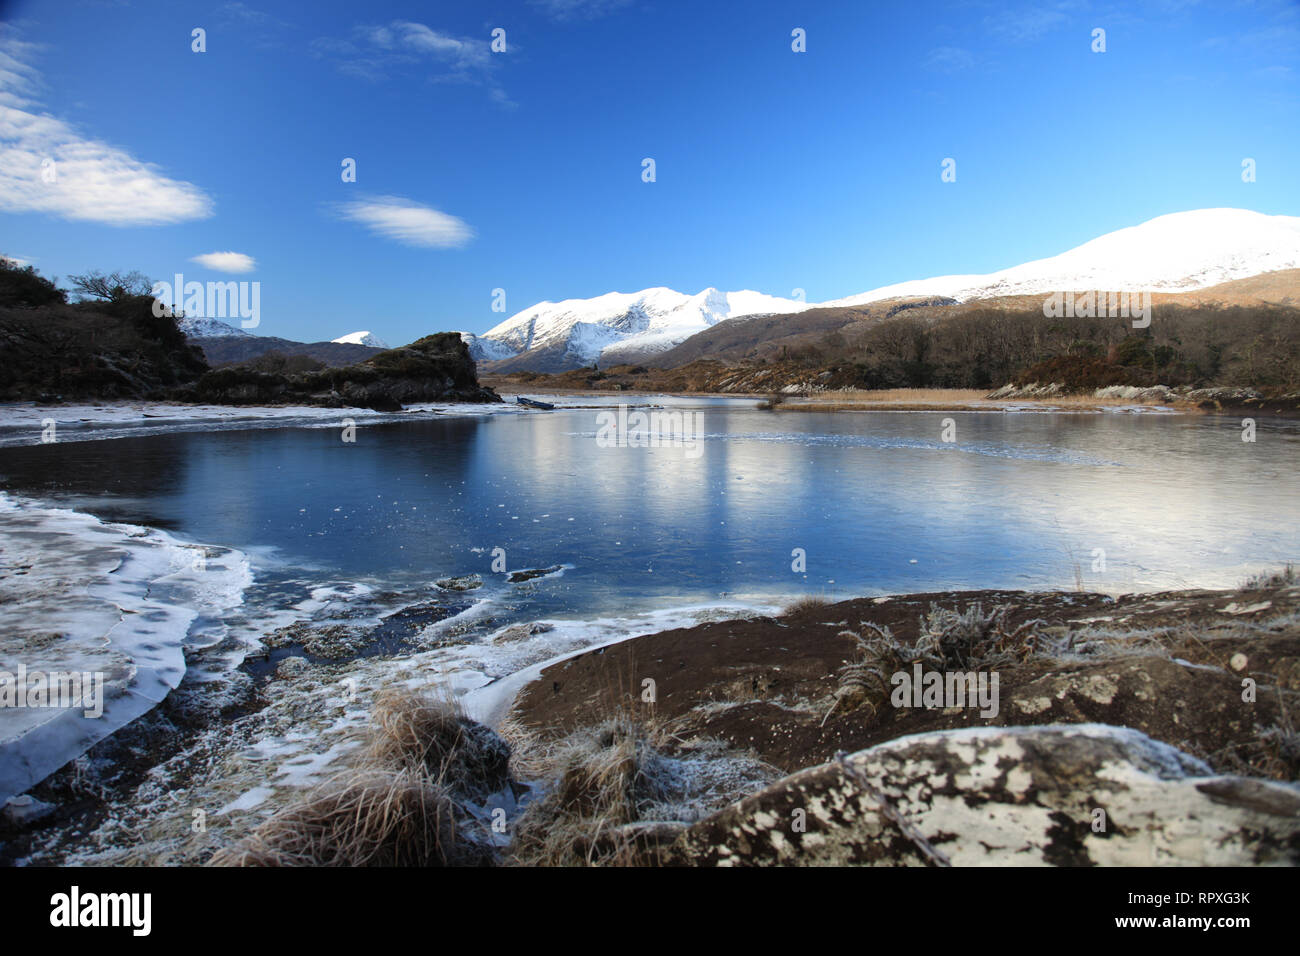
530 403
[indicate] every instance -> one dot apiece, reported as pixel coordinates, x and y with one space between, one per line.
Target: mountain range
616 327
1176 253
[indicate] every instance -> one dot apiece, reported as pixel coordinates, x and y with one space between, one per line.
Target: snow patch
364 337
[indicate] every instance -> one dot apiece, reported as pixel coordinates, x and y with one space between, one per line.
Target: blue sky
522 169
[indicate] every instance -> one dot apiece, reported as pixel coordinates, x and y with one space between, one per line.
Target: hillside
238 349
101 349
775 337
764 337
116 347
1186 253
1233 340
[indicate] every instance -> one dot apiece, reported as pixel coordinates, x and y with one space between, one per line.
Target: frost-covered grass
400 800
1102 642
947 640
1284 578
1273 753
617 792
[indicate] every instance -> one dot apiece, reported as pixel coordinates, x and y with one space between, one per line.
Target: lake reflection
876 500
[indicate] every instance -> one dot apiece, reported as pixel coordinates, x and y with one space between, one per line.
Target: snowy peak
1179 252
627 323
362 338
201 328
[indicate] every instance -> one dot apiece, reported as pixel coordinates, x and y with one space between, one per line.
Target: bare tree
111 287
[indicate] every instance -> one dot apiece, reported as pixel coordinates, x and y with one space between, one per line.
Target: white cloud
226 261
46 166
579 9
458 54
408 222
379 52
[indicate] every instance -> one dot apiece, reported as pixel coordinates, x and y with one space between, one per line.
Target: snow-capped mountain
483 349
1180 252
201 328
362 338
620 325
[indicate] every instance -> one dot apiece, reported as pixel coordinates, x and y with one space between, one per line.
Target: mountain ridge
1176 252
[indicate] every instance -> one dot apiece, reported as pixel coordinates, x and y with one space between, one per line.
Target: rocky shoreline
1144 729
1133 730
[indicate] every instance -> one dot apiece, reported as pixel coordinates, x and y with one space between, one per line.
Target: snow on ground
241 772
1180 252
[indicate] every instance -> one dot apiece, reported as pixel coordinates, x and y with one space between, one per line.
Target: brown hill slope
770 338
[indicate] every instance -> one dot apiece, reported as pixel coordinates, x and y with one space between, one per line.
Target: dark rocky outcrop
518 577
114 346
436 368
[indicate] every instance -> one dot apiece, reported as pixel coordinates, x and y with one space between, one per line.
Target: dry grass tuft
808 602
365 818
585 818
399 802
435 737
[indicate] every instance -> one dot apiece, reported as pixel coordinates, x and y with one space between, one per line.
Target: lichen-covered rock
1088 794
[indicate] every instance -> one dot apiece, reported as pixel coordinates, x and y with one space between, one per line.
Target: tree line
1200 346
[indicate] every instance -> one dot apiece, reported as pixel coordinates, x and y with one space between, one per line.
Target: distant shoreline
914 400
